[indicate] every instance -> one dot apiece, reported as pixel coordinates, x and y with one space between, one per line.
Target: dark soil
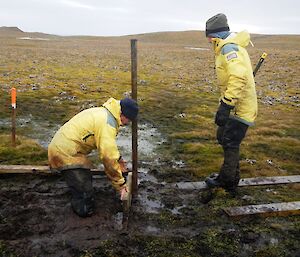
37 220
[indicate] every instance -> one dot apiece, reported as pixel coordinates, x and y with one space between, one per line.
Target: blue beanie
129 108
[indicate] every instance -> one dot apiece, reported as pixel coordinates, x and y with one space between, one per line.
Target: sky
127 17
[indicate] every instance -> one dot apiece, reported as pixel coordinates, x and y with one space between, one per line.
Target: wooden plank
258 181
190 185
281 209
18 169
200 185
31 169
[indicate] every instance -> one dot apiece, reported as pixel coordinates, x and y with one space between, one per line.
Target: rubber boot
237 175
80 185
229 175
83 205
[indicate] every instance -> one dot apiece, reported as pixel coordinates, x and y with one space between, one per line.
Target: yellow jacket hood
242 39
114 108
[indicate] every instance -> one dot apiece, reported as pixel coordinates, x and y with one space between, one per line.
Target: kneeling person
94 128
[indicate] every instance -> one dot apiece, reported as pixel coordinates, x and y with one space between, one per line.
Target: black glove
222 114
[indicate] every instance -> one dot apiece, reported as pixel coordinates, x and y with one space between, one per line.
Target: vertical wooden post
134 123
13 120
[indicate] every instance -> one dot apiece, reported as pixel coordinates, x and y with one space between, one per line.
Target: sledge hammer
261 60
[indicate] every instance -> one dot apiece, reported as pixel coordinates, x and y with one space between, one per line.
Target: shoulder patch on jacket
111 120
231 56
229 48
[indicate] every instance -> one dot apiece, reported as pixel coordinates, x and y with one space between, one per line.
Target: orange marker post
14 98
13 121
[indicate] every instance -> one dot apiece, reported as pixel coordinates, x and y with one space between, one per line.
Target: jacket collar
114 107
241 39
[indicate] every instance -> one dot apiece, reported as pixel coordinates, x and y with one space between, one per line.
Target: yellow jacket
235 76
94 128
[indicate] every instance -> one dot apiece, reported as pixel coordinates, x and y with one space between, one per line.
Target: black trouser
80 185
230 137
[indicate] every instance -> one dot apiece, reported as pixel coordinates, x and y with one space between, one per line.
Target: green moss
149 246
205 158
26 151
213 242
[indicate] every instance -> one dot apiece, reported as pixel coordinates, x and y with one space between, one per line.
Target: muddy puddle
41 131
36 216
149 139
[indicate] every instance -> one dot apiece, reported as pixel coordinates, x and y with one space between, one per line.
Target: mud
36 218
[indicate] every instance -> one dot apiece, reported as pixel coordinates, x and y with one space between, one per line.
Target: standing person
238 102
94 128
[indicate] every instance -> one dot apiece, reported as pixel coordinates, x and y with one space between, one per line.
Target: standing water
148 140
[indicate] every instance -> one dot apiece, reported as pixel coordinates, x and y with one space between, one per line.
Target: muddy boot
237 175
229 175
212 181
80 185
233 191
83 205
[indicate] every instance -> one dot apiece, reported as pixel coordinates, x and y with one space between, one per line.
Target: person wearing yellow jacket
238 102
94 128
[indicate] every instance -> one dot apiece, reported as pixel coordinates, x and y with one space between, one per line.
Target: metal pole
134 123
13 120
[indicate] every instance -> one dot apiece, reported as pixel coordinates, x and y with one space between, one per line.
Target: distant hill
10 30
178 37
197 38
16 32
192 37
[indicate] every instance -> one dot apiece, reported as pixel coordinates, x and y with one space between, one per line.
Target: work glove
222 114
123 164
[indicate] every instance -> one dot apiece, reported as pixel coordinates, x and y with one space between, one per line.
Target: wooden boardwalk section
258 181
200 185
31 169
285 208
271 209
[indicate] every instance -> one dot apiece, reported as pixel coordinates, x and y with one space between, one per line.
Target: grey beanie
216 23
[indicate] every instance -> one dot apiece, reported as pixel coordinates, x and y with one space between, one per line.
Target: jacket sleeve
237 77
109 155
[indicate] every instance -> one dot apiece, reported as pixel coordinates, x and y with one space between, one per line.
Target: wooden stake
134 123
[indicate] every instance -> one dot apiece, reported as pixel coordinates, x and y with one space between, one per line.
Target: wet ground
36 217
36 220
